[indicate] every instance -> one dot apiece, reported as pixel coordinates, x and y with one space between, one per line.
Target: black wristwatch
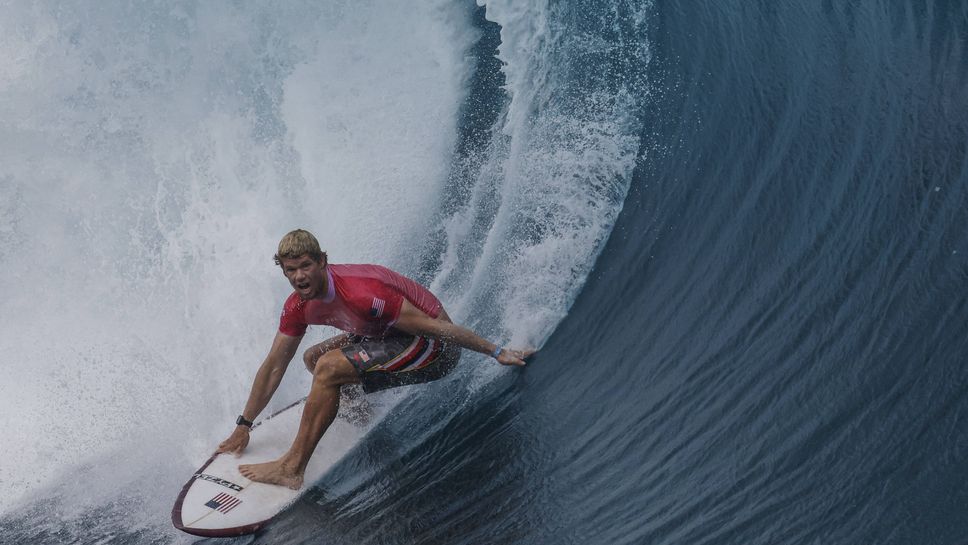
241 421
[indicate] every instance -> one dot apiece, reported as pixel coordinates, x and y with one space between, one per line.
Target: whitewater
154 153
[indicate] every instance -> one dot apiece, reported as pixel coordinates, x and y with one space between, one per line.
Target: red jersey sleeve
393 305
293 322
403 288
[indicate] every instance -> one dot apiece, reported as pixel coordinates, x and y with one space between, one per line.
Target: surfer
396 333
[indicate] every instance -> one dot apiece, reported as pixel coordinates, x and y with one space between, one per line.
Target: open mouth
302 286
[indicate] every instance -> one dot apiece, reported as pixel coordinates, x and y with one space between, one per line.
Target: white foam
152 157
372 152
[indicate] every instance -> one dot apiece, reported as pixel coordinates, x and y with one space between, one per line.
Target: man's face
306 275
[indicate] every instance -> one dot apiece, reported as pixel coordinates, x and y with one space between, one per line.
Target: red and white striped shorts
400 360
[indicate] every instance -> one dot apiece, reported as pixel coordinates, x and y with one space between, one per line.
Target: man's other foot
276 472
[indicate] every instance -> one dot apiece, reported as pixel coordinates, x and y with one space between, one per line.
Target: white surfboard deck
219 502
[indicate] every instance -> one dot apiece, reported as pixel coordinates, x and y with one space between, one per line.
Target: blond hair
299 243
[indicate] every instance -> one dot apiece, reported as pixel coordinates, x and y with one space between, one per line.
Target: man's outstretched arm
266 382
414 321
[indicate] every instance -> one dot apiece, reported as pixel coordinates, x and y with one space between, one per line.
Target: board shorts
400 360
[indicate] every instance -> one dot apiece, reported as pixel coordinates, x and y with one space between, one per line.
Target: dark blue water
771 348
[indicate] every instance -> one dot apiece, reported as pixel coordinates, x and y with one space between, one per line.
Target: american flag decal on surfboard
223 503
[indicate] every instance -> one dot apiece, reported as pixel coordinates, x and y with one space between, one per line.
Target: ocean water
738 231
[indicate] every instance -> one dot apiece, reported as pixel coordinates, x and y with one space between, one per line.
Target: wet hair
299 243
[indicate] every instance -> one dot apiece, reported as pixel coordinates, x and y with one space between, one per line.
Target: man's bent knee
333 369
310 356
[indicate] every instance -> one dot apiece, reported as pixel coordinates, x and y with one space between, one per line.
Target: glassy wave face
737 232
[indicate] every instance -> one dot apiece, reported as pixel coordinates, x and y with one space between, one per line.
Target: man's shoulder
360 270
293 303
364 273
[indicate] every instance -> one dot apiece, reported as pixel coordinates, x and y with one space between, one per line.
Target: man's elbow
275 364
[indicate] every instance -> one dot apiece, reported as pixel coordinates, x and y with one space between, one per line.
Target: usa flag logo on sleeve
223 503
376 309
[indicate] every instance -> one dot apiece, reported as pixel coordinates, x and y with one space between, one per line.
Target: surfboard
217 501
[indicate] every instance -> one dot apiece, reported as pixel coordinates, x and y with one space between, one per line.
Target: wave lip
558 166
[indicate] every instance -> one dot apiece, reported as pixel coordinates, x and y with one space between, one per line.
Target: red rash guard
360 299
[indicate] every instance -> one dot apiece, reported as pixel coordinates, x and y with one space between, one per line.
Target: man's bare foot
277 472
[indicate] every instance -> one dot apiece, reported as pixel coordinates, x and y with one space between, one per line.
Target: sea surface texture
737 230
